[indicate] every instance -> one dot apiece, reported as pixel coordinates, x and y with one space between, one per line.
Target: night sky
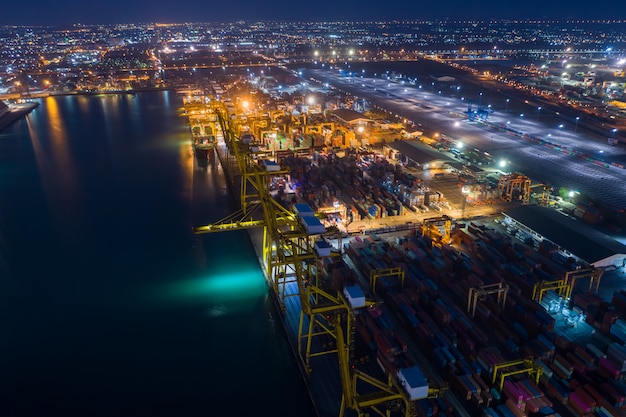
46 12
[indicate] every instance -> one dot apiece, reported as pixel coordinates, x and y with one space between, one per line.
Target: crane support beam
375 274
476 293
594 275
212 228
560 286
528 366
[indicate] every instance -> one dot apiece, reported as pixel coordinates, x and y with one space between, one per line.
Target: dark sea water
109 305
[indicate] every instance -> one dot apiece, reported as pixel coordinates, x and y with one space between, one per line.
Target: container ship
202 145
440 318
203 125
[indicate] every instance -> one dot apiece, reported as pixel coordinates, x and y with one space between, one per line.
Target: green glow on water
228 285
223 293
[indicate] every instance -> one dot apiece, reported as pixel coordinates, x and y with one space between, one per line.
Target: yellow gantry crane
559 286
565 287
594 274
384 397
386 272
521 366
514 185
475 294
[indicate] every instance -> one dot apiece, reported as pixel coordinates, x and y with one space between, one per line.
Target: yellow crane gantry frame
475 293
594 274
389 394
560 286
384 393
386 272
511 182
522 366
565 287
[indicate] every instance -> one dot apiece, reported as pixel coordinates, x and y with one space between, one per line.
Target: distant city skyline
41 12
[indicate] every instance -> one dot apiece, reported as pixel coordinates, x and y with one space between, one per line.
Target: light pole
538 110
612 140
576 127
507 105
559 136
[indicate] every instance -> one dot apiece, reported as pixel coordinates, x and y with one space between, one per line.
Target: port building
572 237
351 117
414 151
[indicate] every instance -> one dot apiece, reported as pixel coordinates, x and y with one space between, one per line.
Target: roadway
505 136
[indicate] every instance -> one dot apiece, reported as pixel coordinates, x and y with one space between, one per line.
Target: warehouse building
415 152
573 237
351 117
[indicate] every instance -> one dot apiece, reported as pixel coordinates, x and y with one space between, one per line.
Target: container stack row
464 349
369 189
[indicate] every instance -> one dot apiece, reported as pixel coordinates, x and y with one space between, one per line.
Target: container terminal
441 316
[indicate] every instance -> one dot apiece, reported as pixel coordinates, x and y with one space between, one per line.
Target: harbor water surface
109 304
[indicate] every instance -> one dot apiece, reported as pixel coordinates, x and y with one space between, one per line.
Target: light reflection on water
106 292
236 291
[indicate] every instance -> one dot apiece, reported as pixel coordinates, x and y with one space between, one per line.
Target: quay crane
393 394
290 255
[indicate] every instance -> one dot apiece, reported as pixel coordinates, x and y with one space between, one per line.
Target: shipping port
420 310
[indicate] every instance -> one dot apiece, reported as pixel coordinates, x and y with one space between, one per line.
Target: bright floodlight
502 164
571 194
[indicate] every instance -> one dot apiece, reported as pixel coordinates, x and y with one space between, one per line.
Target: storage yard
443 316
